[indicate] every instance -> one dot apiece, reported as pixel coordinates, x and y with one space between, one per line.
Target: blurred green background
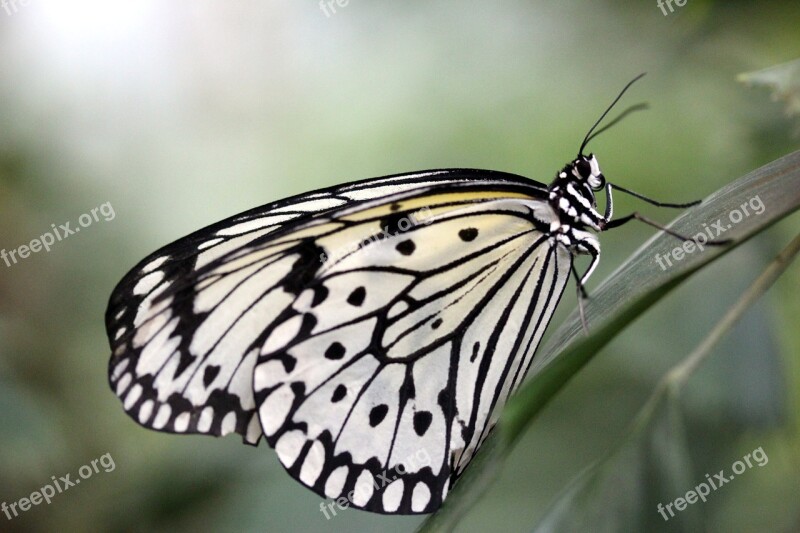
182 113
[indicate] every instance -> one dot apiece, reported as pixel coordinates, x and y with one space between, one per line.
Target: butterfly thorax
572 197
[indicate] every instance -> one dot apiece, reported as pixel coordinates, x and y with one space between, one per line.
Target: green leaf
639 283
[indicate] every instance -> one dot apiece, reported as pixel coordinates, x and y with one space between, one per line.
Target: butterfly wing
181 359
386 370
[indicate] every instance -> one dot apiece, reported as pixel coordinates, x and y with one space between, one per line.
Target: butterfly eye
584 168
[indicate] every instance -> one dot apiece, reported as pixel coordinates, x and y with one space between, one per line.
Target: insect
370 332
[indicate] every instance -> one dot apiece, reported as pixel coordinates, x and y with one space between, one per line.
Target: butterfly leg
584 243
609 204
638 216
581 290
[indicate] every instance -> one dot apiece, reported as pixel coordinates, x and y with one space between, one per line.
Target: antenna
599 120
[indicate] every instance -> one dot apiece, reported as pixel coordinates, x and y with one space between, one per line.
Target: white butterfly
371 331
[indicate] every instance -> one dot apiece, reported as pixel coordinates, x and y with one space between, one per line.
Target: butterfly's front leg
585 243
609 205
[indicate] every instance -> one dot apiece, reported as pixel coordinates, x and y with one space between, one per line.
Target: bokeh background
182 113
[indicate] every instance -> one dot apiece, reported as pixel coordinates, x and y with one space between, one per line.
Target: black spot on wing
406 247
210 374
339 393
468 234
377 414
422 421
335 351
357 297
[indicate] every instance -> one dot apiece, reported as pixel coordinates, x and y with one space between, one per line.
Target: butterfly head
584 174
587 169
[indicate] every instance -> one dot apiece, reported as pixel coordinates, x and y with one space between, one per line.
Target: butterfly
371 332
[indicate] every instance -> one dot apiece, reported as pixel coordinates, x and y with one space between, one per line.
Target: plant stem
678 376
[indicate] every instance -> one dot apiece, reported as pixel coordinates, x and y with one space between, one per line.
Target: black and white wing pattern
173 370
370 332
